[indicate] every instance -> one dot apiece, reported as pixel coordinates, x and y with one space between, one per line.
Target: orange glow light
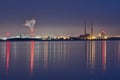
7 34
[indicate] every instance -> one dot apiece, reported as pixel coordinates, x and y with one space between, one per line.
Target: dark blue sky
64 17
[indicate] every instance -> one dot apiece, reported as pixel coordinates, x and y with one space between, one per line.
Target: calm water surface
60 60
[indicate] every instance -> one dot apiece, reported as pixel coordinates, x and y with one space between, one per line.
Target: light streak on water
32 57
103 56
7 55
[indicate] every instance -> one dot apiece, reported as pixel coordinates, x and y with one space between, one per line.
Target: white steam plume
30 24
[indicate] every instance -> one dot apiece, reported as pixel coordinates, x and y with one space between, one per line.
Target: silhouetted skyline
64 17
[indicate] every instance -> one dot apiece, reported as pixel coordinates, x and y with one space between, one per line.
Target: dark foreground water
60 60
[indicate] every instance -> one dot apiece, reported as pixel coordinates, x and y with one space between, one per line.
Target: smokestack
92 28
85 28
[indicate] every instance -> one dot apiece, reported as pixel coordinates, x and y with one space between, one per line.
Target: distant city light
7 34
4 38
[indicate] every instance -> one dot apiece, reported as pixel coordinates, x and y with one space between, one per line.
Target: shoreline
58 40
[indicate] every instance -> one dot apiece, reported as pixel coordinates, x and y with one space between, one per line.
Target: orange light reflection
7 55
90 56
32 57
103 56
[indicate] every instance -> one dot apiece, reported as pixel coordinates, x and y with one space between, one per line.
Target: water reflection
32 57
91 56
45 55
118 50
48 55
7 55
59 58
3 57
103 56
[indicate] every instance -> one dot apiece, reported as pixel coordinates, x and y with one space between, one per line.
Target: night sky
60 17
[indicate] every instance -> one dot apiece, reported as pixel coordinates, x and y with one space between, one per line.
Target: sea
60 60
